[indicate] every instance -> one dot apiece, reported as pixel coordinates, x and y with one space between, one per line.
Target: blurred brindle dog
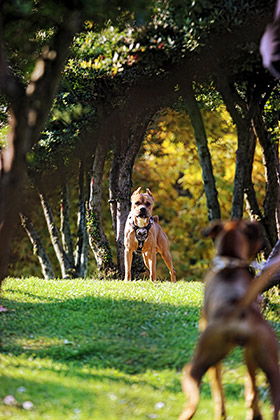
232 317
144 235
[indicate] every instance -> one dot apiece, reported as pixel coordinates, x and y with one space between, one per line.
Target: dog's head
237 238
142 204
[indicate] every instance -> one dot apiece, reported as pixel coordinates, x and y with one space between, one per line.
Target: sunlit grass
89 349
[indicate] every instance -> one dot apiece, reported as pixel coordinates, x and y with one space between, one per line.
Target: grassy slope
94 350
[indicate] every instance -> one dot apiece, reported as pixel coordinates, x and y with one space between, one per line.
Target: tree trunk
272 185
113 188
252 205
29 109
82 247
65 266
239 114
65 224
240 172
97 238
209 183
123 161
38 248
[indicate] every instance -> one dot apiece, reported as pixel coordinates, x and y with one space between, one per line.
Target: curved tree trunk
114 188
252 205
38 248
120 178
272 183
243 124
209 183
97 238
65 224
240 173
82 247
65 266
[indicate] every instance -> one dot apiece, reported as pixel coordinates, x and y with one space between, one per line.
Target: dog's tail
260 282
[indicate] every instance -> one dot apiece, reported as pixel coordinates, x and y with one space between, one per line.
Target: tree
129 66
29 108
30 94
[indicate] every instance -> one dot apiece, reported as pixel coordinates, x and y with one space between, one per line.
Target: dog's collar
141 233
219 263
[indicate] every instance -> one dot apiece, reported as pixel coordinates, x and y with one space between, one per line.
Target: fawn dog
144 235
232 317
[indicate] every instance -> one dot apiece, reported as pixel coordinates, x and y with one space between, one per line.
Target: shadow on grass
131 336
47 390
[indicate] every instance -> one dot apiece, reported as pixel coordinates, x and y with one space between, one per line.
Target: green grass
94 350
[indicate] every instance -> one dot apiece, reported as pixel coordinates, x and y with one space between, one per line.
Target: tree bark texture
209 183
97 238
65 223
38 248
82 246
238 110
252 206
271 200
114 188
65 266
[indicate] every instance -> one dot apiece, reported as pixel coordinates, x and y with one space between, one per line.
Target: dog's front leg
150 260
127 263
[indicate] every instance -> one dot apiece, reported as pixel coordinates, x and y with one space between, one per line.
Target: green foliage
4 126
104 62
107 350
271 114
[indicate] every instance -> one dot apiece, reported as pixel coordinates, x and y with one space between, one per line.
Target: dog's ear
136 192
149 193
214 229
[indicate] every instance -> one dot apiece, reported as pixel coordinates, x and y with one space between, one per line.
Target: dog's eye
137 203
148 204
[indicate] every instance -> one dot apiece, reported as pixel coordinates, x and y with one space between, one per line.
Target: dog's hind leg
215 377
211 349
251 393
190 387
271 369
264 351
166 256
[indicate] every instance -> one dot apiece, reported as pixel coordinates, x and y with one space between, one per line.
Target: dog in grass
232 317
144 235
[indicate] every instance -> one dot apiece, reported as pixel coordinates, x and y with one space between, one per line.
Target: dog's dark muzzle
143 212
